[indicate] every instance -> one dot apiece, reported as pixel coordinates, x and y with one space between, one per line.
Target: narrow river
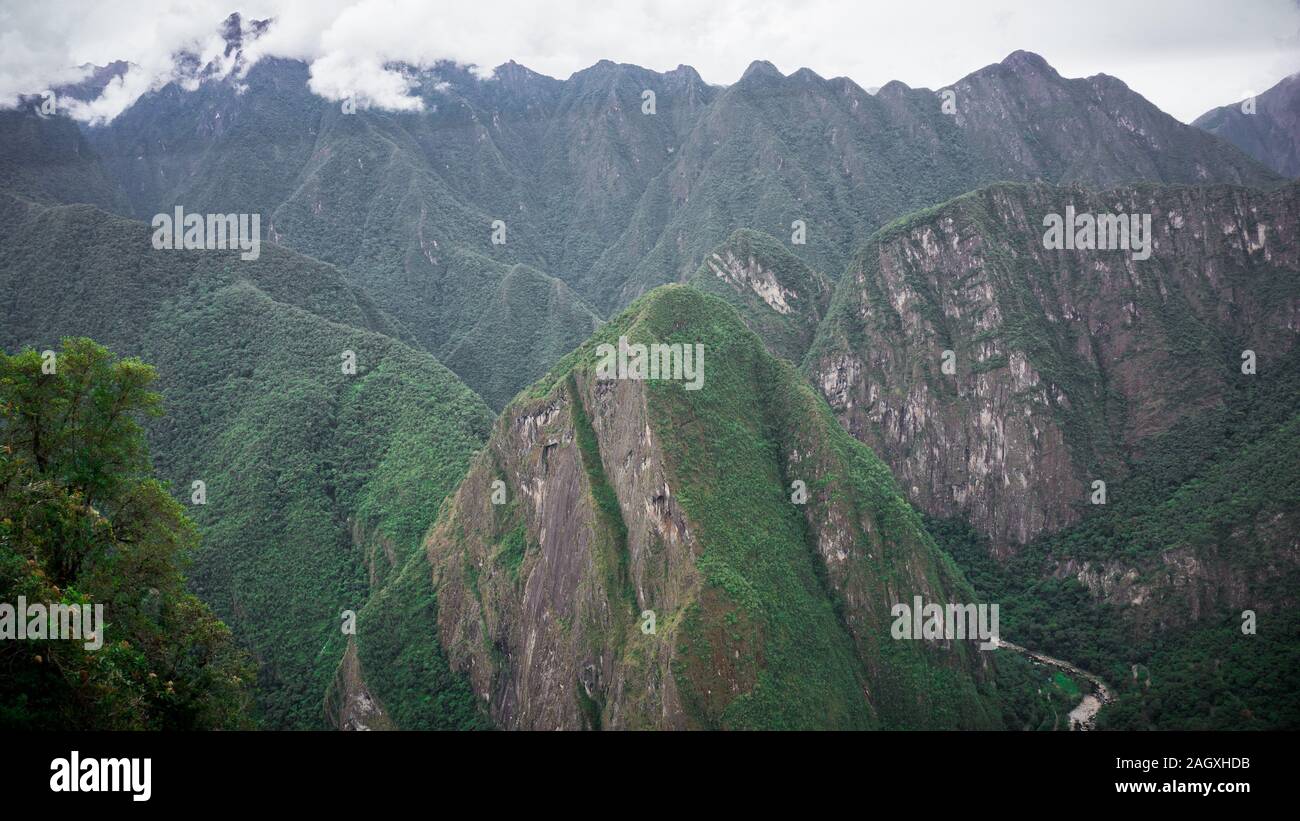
1083 716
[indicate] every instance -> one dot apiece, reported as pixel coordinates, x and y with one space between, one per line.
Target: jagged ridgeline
599 201
616 499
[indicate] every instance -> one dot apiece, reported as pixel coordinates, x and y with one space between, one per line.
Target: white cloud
1186 57
116 97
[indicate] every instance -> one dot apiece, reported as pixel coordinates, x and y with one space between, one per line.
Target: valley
1084 716
589 374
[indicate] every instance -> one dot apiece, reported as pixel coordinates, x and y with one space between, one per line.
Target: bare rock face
1000 379
543 635
644 565
778 296
349 704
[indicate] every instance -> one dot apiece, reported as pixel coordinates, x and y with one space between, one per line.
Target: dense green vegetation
1221 485
1215 678
531 322
47 159
805 654
318 482
82 521
340 473
404 663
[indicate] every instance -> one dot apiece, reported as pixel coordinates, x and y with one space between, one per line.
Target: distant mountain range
595 193
828 246
1267 127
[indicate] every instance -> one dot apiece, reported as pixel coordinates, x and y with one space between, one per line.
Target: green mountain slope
623 497
49 160
317 481
530 322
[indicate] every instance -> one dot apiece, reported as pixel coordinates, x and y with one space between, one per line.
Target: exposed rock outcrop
1063 361
779 297
618 499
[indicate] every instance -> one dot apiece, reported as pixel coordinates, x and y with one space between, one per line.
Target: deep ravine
1084 715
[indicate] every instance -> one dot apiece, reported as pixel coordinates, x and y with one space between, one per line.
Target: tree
83 522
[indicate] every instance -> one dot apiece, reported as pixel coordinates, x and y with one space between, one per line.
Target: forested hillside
317 482
84 524
389 488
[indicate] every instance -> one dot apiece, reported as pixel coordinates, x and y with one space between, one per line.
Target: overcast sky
1186 56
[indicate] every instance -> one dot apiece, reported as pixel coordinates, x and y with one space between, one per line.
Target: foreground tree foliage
83 522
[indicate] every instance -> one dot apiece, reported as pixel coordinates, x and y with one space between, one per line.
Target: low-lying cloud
1185 56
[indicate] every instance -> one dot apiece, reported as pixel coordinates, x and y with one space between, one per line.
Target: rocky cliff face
541 616
349 704
647 564
779 297
1059 362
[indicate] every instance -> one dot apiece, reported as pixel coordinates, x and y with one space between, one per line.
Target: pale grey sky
1186 56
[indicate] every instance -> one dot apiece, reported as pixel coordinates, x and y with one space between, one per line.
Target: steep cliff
650 563
779 297
1062 361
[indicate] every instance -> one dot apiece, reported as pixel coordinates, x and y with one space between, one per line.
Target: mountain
773 149
47 159
627 501
594 187
1266 127
779 297
1024 121
1064 361
1072 367
1084 368
317 482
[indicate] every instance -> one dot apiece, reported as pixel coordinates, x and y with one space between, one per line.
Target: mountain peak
598 69
893 87
514 74
685 73
806 74
762 69
1022 61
